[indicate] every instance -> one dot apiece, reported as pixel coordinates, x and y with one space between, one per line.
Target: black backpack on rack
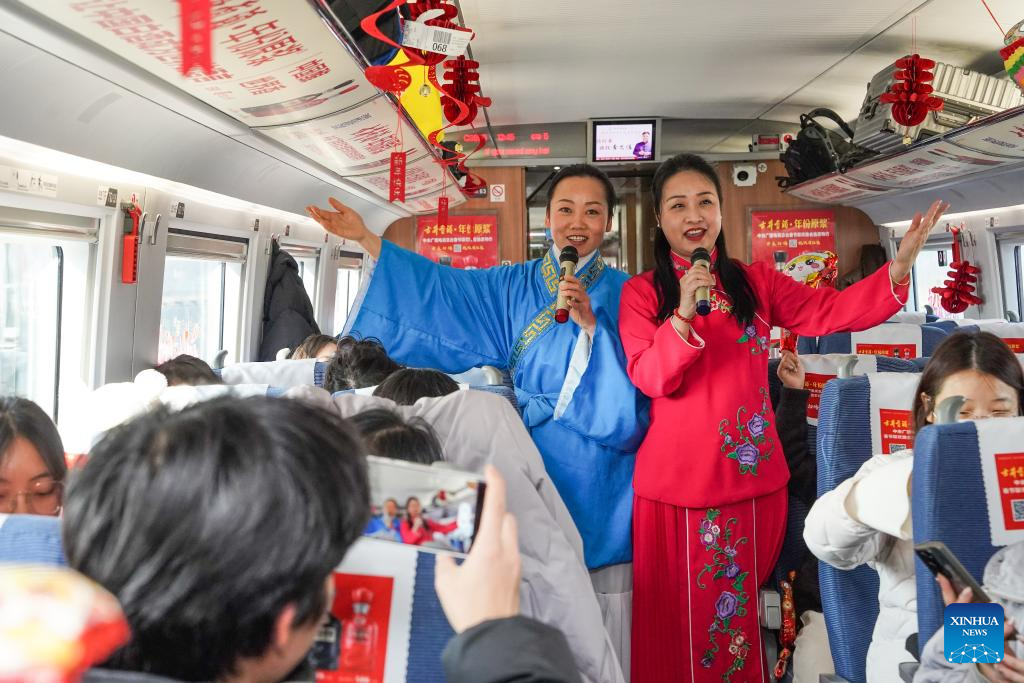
818 151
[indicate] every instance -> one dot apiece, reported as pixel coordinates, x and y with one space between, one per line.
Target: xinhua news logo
974 633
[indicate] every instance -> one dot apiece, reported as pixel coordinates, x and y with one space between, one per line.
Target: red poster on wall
797 240
462 242
896 433
1010 470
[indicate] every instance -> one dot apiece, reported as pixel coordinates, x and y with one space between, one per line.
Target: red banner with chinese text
906 351
815 383
896 433
1010 470
791 234
462 242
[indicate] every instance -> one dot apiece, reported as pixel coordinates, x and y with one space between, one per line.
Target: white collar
582 262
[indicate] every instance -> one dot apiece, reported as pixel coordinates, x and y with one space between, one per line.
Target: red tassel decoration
911 95
958 291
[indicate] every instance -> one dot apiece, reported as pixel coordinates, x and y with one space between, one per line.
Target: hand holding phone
942 562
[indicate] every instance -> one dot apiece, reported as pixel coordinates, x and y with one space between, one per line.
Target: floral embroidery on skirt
730 603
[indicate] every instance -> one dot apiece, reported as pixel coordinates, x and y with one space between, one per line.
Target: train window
308 260
1011 270
346 289
45 303
202 294
930 271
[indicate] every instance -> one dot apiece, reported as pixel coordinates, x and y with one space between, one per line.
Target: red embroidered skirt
696 579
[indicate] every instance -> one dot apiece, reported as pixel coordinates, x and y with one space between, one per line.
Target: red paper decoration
958 291
462 91
911 96
196 38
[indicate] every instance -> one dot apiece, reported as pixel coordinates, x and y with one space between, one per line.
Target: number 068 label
446 41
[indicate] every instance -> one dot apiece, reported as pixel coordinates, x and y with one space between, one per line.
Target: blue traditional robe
580 407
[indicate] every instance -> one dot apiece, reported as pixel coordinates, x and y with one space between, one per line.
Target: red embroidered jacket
712 439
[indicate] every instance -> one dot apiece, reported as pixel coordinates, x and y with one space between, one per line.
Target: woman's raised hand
913 241
346 223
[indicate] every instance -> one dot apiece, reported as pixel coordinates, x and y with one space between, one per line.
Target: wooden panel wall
511 214
853 227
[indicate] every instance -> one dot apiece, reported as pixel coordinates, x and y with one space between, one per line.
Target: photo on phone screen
434 508
941 560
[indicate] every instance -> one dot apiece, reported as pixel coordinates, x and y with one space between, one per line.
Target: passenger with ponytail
710 500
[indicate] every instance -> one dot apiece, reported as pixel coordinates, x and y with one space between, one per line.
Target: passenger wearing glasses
32 465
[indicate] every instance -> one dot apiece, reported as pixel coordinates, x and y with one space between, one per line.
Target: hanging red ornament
957 292
462 97
911 95
196 37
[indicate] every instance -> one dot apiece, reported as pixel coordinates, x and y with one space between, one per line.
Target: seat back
1011 333
284 374
898 340
852 416
31 539
979 465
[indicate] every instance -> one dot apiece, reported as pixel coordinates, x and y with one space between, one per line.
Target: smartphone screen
434 508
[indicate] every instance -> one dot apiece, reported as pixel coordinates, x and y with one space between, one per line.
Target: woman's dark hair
666 279
585 171
21 417
358 363
405 513
310 345
981 351
389 435
188 370
408 385
207 523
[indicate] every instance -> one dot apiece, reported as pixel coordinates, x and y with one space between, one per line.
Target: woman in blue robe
580 407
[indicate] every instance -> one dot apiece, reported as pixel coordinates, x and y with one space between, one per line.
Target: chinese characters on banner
1010 470
906 351
795 238
462 242
896 434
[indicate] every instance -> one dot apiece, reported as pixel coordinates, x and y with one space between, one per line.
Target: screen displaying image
434 508
624 140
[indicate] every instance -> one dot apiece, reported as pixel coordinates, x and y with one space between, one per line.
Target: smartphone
432 507
941 560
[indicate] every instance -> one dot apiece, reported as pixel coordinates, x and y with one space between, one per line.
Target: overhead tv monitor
623 140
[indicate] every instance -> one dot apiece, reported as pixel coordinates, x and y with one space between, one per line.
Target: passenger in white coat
866 519
476 428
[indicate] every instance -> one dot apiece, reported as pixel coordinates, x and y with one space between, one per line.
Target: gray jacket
476 428
1004 583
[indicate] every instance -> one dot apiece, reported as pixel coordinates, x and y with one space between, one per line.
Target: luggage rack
989 146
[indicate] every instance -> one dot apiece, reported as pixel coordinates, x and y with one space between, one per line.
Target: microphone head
700 254
569 254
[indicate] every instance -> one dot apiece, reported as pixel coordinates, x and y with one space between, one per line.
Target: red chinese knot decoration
957 291
911 95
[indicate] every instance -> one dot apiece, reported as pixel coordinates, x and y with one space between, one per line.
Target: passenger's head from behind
388 435
318 346
187 370
358 363
32 465
981 368
408 385
218 529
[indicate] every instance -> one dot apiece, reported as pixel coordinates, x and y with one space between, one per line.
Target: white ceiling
736 61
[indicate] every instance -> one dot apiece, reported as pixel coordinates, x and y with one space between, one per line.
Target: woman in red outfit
710 508
416 529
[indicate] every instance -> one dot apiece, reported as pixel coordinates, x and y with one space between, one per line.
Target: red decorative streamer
442 210
911 95
957 292
396 179
196 40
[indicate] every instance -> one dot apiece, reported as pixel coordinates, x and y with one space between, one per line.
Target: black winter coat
287 312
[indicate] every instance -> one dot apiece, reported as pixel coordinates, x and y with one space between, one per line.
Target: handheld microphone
567 261
701 257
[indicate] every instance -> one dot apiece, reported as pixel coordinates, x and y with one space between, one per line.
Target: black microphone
701 257
567 261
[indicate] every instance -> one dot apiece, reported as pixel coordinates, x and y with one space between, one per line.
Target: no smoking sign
497 193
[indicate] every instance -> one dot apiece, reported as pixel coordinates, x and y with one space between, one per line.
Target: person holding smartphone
1004 580
866 519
